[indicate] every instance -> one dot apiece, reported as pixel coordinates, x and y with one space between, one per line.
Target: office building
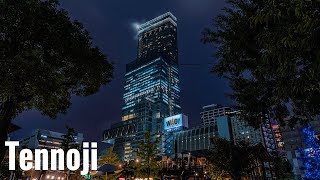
194 139
45 139
242 131
154 74
226 118
181 139
151 90
210 113
158 37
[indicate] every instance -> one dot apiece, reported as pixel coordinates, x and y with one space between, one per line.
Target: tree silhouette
147 156
110 157
269 51
45 59
68 143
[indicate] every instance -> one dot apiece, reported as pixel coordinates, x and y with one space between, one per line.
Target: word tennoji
58 158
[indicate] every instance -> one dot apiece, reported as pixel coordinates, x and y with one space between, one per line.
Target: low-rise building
45 139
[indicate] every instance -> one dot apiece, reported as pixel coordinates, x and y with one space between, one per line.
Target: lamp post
196 175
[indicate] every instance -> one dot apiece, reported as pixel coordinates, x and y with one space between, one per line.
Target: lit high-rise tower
151 90
158 37
154 74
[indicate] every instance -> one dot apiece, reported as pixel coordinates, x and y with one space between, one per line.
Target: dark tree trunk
7 112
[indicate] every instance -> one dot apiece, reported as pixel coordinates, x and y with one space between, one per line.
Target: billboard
175 123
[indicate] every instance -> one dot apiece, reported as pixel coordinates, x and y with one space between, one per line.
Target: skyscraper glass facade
158 37
151 90
158 81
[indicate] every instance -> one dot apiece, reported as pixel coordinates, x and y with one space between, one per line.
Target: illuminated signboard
175 123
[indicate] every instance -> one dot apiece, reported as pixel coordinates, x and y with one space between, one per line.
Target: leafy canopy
147 155
109 157
228 159
46 58
269 51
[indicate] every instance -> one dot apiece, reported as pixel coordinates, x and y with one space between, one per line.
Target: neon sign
173 123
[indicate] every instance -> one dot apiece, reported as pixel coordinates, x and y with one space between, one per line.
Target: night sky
110 24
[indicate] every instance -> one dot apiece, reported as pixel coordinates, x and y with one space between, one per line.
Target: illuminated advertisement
175 123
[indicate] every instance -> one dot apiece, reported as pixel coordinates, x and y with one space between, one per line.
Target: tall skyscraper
158 37
154 74
151 90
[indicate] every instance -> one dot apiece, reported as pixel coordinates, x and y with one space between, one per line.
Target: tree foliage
229 159
68 143
283 168
269 51
5 173
45 59
130 169
147 155
215 173
109 157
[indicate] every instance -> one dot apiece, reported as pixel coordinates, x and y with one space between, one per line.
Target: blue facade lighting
151 90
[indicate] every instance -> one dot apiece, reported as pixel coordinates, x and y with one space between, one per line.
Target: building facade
242 131
158 37
194 139
229 124
181 139
45 139
211 112
151 90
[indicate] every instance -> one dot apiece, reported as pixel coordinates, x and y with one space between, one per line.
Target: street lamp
196 175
